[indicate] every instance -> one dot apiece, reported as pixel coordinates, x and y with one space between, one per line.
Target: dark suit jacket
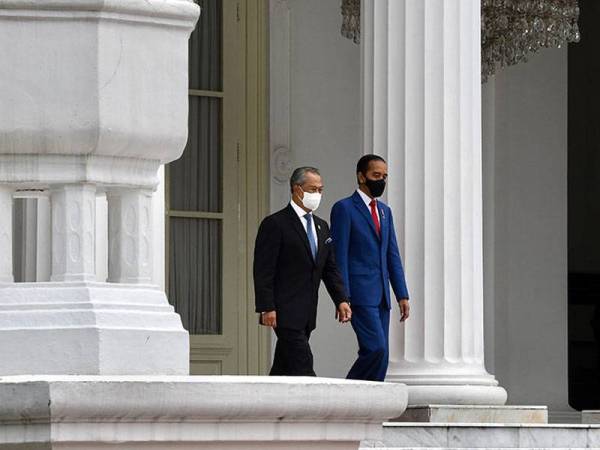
286 277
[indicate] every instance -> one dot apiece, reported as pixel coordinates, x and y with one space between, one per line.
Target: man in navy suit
368 258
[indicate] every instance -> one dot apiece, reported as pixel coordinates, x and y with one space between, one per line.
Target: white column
73 232
6 237
130 236
422 112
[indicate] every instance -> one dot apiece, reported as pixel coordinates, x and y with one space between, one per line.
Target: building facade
273 85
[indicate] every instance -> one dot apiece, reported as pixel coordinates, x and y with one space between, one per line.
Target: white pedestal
90 329
185 413
94 96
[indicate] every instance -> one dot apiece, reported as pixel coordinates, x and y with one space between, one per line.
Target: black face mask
375 186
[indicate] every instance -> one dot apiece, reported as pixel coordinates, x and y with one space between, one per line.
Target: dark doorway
584 211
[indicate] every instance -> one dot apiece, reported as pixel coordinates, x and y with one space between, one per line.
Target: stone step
475 414
485 436
591 416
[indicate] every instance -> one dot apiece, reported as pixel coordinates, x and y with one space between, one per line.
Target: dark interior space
584 211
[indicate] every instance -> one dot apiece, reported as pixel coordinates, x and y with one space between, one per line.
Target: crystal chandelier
511 30
351 20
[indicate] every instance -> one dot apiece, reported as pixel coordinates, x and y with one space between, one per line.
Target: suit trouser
371 325
293 355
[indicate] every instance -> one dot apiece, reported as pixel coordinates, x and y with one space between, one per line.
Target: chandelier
351 20
511 30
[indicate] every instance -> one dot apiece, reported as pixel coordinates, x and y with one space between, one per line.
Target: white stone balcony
185 413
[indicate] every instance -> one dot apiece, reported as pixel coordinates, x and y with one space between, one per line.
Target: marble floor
493 436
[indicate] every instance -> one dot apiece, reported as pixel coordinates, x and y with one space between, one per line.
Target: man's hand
343 312
269 319
404 309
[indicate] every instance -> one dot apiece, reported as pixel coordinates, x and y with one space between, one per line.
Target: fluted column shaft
6 237
73 232
422 112
130 235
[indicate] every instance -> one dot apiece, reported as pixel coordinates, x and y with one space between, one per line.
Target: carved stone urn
93 98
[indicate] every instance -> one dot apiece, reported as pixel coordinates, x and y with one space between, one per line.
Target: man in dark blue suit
368 258
293 253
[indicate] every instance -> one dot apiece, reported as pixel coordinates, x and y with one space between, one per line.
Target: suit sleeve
266 253
340 233
395 264
333 279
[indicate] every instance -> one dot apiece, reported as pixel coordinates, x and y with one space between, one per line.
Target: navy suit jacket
368 263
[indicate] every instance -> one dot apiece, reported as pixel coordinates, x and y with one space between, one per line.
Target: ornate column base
445 384
90 329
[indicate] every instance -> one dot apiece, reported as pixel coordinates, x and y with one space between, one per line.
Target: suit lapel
362 208
383 222
321 237
297 225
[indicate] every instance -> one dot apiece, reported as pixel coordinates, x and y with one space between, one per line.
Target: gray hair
299 175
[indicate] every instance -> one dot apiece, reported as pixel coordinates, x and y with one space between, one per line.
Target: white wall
315 113
525 232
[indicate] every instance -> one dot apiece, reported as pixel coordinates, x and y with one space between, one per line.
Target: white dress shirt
368 201
301 213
